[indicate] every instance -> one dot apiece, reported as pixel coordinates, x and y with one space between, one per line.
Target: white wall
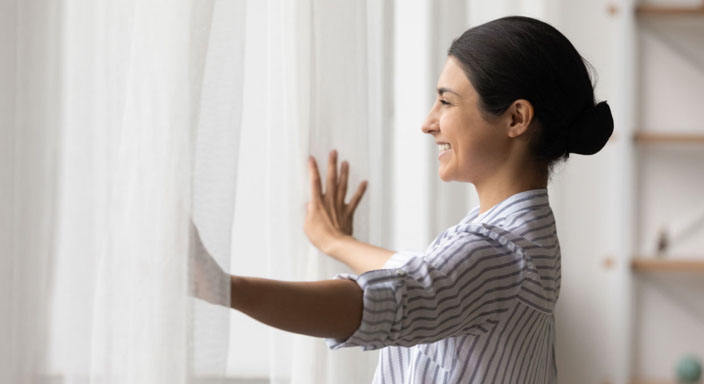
587 314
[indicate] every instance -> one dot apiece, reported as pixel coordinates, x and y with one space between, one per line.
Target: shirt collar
511 204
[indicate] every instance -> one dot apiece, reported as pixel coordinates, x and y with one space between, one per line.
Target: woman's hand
328 217
207 280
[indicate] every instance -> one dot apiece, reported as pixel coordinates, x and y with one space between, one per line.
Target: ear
520 116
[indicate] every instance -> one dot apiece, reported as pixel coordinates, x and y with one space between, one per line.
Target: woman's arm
359 256
326 308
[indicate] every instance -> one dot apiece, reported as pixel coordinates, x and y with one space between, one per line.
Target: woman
514 98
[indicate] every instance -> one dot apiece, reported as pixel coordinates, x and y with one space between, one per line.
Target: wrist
333 246
236 292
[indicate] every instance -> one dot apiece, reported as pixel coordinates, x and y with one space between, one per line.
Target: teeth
443 147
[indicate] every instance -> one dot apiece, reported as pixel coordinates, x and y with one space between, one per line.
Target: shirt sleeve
463 286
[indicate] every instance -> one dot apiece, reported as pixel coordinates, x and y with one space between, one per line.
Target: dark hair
523 58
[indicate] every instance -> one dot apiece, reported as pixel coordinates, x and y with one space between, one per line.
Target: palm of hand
327 214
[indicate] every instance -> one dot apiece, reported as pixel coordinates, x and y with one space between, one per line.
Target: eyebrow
442 90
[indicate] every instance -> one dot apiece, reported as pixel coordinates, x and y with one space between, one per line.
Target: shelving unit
667 137
653 264
659 10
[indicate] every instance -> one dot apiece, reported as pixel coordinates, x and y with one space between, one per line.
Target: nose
431 123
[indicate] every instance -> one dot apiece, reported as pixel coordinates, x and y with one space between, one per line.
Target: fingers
342 186
357 197
332 176
336 189
316 192
331 187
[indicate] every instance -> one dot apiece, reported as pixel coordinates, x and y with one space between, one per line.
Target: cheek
481 142
454 126
474 139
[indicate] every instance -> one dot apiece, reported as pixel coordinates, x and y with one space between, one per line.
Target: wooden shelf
651 381
659 10
648 264
682 138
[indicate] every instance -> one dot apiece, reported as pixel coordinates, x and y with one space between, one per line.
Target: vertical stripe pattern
476 307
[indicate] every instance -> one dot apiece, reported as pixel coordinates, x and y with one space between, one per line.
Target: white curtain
479 12
316 79
120 128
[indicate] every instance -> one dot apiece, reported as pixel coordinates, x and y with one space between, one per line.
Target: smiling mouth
443 148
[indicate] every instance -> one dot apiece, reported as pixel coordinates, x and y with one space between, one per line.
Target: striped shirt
476 307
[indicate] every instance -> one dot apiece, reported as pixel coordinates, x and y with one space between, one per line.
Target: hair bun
591 130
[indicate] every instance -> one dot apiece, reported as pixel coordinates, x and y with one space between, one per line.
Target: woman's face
477 147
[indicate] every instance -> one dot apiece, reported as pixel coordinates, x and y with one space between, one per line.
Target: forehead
453 78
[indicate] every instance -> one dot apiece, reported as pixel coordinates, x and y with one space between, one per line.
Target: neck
506 183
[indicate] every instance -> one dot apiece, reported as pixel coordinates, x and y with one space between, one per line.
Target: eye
444 102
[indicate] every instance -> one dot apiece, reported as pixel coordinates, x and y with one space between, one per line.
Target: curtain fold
29 119
215 176
320 68
139 316
121 132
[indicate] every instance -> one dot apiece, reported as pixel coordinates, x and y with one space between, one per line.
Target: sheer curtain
316 79
120 129
121 166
